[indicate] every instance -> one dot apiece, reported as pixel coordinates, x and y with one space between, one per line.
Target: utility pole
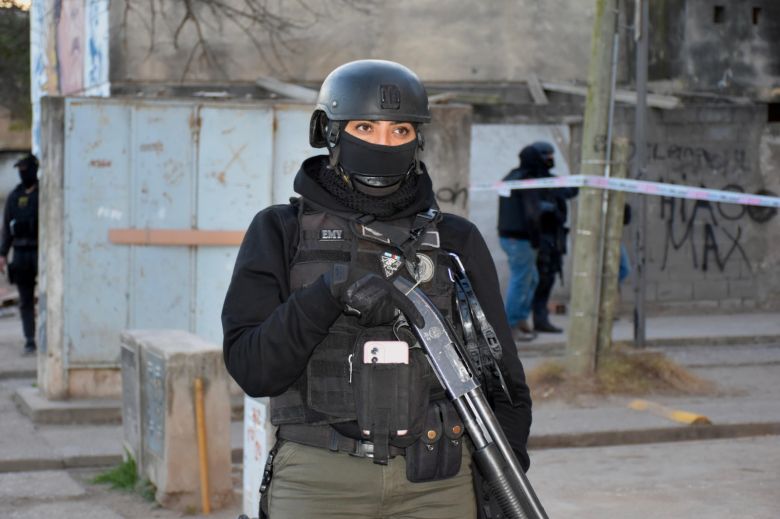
611 266
586 278
641 25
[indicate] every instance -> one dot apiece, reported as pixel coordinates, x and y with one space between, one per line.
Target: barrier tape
632 186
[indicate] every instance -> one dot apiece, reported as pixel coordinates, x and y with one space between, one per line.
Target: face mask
549 162
375 165
28 177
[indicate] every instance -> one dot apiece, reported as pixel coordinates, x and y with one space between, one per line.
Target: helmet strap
420 147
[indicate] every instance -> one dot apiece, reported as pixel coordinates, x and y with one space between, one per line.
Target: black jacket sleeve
270 333
463 238
7 240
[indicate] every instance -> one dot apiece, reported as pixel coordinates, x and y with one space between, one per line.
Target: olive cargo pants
316 483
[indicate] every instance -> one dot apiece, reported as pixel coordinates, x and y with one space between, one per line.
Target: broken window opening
773 112
719 14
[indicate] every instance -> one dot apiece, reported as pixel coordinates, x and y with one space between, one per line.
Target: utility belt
326 437
25 243
435 455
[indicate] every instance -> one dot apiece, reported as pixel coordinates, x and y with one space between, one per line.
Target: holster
437 454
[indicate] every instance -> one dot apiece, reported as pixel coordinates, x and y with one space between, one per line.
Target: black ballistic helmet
544 148
370 90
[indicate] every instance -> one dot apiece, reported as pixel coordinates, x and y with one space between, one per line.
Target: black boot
546 327
523 332
29 347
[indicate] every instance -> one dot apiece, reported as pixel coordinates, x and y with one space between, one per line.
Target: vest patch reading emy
331 234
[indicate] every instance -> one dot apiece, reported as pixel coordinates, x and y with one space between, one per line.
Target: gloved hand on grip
373 298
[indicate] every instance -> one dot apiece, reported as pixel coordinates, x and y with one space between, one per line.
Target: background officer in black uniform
366 431
20 231
552 238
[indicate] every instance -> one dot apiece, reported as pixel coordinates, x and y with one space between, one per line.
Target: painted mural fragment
68 52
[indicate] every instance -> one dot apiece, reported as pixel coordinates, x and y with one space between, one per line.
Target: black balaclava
28 171
375 169
547 152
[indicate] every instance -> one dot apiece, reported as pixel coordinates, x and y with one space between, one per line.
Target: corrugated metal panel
163 186
164 164
97 183
234 183
291 147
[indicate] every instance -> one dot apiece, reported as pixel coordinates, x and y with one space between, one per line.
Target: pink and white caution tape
632 186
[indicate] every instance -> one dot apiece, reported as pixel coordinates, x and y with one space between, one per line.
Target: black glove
376 300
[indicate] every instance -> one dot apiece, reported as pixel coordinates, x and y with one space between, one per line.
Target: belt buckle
363 449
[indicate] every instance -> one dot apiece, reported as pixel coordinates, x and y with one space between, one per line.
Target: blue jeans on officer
523 279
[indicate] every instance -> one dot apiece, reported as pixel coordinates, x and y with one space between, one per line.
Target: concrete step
40 410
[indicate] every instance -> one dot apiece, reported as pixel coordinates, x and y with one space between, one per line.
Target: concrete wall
704 256
500 40
724 46
701 256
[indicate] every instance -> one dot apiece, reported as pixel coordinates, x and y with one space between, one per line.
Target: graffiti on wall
684 160
70 46
712 235
456 194
719 228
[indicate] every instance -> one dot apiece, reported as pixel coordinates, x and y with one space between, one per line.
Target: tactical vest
324 393
24 220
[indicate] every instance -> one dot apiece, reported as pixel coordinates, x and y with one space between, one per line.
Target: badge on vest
331 234
391 263
423 271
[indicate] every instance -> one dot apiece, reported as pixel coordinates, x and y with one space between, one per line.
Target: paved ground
12 362
708 329
718 479
46 469
69 494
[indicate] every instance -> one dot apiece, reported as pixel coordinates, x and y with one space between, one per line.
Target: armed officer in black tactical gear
312 319
552 237
20 231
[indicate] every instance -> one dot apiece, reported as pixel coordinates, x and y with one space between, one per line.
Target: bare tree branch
267 28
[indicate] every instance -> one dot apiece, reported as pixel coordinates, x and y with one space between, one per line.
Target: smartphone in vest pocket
385 352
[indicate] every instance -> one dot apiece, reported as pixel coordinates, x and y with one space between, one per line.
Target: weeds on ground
618 373
125 477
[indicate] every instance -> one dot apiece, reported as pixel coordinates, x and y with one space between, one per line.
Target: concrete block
730 304
41 410
94 383
129 360
710 289
167 362
670 291
742 288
